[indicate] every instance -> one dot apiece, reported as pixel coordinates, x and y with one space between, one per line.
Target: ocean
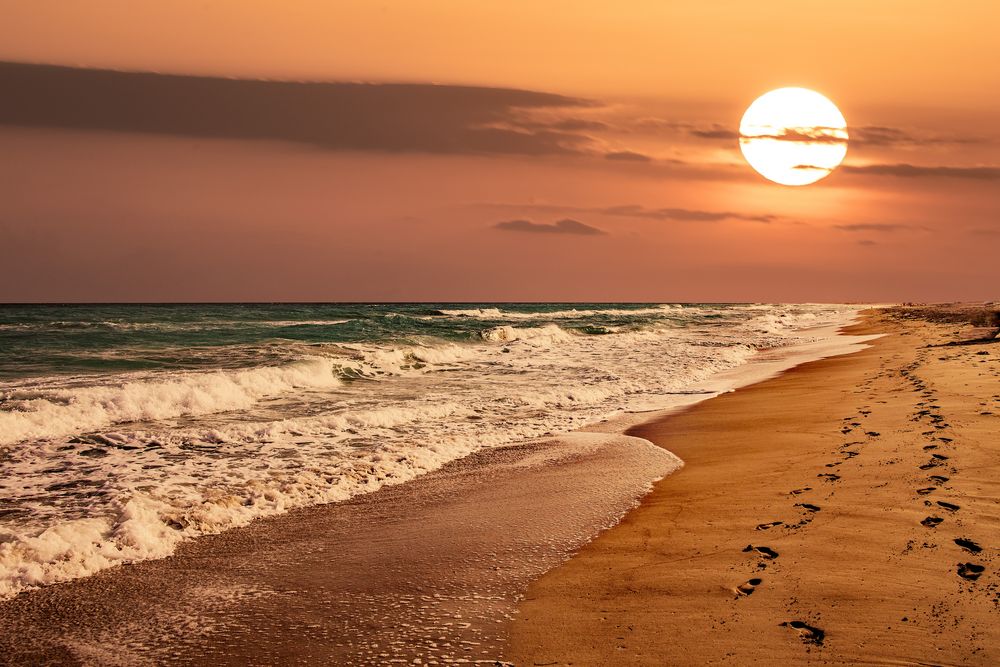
127 429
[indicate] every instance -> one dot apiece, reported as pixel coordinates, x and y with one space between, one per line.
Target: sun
793 136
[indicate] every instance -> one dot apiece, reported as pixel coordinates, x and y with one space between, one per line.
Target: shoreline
793 533
238 574
137 490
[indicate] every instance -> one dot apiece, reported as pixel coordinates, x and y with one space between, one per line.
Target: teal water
66 339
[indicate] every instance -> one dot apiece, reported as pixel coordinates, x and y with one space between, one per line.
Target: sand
845 512
797 531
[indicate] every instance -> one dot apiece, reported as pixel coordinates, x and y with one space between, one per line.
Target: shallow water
127 429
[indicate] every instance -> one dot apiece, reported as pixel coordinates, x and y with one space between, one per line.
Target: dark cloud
878 227
809 135
866 135
914 171
646 213
577 125
697 130
716 132
339 116
627 156
681 214
565 226
877 135
859 136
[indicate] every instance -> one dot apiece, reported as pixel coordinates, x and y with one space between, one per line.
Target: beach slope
845 512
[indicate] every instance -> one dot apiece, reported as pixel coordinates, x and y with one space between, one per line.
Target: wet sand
430 570
845 512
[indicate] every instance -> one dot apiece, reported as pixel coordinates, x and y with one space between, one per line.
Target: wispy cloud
627 156
880 135
879 227
682 214
809 135
646 213
916 171
860 135
565 226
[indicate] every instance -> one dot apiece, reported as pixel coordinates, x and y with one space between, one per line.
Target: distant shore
844 512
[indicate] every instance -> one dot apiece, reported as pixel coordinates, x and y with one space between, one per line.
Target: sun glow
793 136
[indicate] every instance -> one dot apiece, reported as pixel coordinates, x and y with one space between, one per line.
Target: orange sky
251 206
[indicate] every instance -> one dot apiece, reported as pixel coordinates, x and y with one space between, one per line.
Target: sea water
126 429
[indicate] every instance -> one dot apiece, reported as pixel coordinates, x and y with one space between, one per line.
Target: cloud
878 227
715 132
681 214
627 156
565 124
339 116
866 242
914 171
859 136
646 213
865 135
565 226
809 135
878 135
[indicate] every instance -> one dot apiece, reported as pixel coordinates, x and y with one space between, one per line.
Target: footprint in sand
949 506
968 545
767 526
807 506
807 633
829 476
766 552
938 479
798 491
748 586
928 489
872 434
931 521
970 571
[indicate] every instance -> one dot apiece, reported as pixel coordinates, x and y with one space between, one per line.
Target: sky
260 150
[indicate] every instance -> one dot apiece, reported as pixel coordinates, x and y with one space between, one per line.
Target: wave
497 314
549 333
39 414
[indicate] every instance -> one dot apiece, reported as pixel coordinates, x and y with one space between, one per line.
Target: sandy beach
843 513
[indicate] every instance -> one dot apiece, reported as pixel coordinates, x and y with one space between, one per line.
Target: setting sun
793 136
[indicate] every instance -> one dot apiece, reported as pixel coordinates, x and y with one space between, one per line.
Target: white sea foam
162 457
498 314
44 413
